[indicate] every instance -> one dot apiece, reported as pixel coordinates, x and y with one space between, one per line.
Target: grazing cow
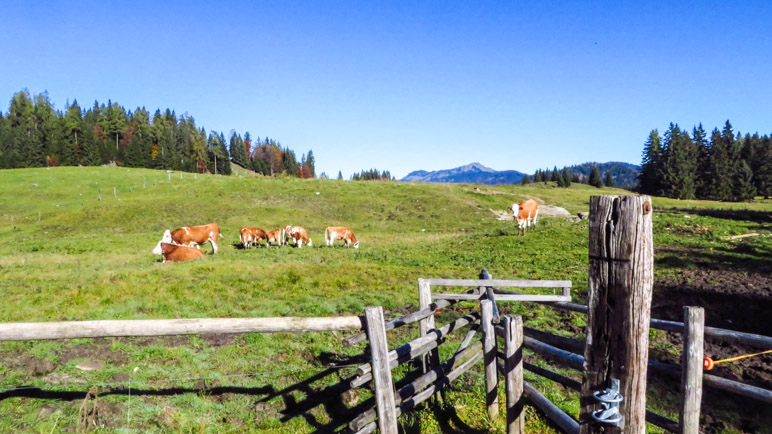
251 236
298 235
176 253
194 236
273 236
285 233
338 232
526 215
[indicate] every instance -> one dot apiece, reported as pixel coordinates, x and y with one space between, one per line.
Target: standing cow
526 214
194 236
273 236
339 232
251 236
298 235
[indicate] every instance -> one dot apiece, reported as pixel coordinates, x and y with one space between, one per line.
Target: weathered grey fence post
489 359
691 365
385 404
432 358
621 276
513 372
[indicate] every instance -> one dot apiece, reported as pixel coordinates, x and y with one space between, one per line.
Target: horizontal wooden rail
724 335
501 283
166 327
543 298
555 414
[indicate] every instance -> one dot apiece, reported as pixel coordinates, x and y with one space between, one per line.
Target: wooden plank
558 305
401 321
384 387
568 344
750 339
167 327
555 414
621 254
501 283
520 297
513 373
489 350
425 325
691 363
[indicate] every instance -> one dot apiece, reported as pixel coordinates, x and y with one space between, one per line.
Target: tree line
723 166
34 134
563 178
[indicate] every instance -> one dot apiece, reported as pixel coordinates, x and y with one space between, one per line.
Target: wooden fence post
691 365
489 359
513 373
431 359
384 387
621 275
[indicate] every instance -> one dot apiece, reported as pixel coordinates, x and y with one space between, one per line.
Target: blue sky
409 85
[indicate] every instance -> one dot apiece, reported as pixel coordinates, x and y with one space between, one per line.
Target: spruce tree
649 178
679 164
703 181
609 180
555 176
763 175
566 177
237 150
595 179
340 176
744 188
526 180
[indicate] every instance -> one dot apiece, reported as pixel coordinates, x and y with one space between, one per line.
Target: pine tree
744 188
703 181
595 179
310 164
566 177
763 175
237 150
526 180
609 180
724 163
555 176
649 179
340 176
679 164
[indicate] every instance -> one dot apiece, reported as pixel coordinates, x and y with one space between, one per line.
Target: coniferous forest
725 165
34 134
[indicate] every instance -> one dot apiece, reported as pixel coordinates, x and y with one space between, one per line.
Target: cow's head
159 250
356 244
167 238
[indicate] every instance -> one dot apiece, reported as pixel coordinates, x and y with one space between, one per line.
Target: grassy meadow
65 255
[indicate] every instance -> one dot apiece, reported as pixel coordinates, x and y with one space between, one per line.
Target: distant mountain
625 175
474 173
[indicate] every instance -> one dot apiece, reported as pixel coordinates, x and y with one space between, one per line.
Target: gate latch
609 399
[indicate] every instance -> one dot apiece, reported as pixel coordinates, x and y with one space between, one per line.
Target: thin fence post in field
621 274
385 402
431 359
144 182
115 192
489 359
513 373
691 365
99 194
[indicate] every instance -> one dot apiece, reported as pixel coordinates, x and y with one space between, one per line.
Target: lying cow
194 236
338 232
273 236
298 235
526 215
175 253
251 236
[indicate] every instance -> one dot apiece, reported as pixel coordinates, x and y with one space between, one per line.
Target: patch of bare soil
735 299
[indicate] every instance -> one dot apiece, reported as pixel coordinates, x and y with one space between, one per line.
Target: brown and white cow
194 236
273 236
298 235
285 233
176 253
339 232
526 215
251 236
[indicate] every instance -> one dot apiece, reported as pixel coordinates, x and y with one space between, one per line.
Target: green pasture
65 255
